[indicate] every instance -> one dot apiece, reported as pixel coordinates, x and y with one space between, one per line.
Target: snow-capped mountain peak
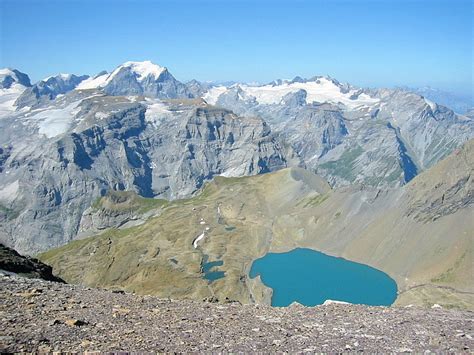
60 76
138 78
6 71
142 69
10 78
12 84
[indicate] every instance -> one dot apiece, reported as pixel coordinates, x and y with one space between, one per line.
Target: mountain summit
138 78
12 83
12 77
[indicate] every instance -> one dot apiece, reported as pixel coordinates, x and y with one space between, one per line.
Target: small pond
209 269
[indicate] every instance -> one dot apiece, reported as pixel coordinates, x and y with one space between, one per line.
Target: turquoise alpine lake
310 278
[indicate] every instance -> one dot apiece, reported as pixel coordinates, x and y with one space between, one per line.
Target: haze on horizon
366 43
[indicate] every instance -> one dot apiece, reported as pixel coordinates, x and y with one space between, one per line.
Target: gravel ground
38 315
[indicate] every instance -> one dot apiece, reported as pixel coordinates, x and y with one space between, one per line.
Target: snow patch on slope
9 192
198 239
156 112
8 98
234 172
431 104
53 122
93 83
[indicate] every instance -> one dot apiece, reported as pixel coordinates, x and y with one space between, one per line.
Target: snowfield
320 90
213 94
9 192
53 122
93 83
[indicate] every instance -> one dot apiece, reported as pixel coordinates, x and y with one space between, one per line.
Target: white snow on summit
9 96
7 71
141 69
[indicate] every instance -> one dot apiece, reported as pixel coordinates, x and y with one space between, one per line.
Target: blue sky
367 43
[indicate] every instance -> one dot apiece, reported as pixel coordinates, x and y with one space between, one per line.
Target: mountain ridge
147 135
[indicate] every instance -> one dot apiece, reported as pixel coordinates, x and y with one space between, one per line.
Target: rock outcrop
14 263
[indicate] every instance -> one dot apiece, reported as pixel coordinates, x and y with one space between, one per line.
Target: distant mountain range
69 139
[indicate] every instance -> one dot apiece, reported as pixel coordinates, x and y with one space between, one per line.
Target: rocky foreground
37 315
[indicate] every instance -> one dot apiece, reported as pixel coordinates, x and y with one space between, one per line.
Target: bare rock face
448 189
71 318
